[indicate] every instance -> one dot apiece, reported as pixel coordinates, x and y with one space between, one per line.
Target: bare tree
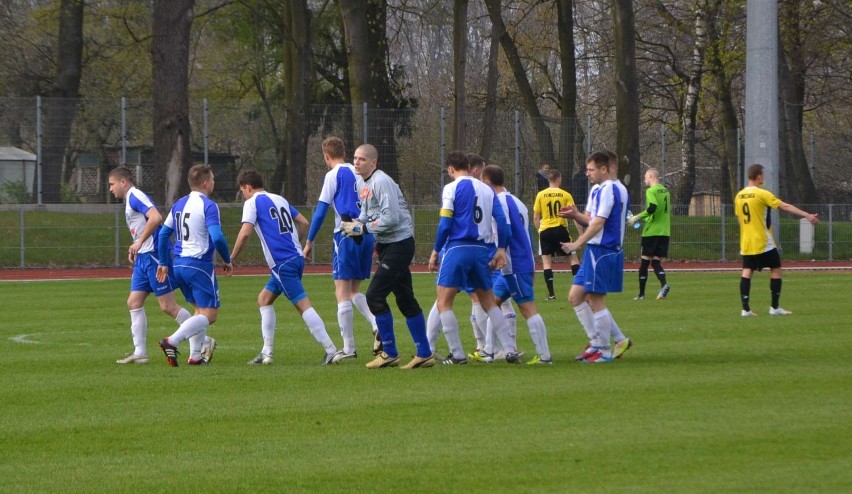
170 59
571 133
61 107
626 96
459 70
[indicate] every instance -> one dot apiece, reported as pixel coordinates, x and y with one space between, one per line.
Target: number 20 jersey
272 217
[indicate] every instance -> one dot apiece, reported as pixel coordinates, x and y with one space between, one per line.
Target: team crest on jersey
365 193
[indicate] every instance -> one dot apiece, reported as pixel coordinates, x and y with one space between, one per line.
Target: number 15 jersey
272 217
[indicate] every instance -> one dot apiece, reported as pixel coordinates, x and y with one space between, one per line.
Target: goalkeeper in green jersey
656 231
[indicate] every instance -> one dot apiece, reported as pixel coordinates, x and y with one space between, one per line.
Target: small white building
16 167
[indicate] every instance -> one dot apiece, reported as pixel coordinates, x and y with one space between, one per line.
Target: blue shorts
197 281
144 277
351 260
287 279
602 270
517 286
465 266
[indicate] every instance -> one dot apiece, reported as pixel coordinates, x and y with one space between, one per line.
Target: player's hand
133 250
632 219
162 273
228 267
306 251
499 259
813 219
352 228
433 262
568 247
567 212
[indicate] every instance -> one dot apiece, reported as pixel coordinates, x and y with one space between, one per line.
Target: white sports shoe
779 312
207 349
262 358
130 358
748 313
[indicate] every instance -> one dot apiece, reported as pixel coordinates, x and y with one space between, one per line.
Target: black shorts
550 241
655 246
769 259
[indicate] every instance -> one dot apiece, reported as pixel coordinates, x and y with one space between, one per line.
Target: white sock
189 328
433 326
360 302
182 316
587 319
196 341
538 333
501 329
511 324
345 321
267 328
317 329
139 331
615 331
603 323
479 320
451 333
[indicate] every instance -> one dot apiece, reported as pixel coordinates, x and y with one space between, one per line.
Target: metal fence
233 135
96 235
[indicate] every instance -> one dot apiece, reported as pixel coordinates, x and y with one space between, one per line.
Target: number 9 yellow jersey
752 208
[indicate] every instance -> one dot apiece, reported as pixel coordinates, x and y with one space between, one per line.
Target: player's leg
538 332
380 287
449 323
268 320
644 263
200 288
345 320
774 264
660 273
745 285
410 309
138 329
547 267
578 299
602 350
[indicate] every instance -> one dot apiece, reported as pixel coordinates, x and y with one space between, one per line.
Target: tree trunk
491 95
694 74
60 108
792 71
172 22
626 97
298 65
365 24
568 98
542 133
459 72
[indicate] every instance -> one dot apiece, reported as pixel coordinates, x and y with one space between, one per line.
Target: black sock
659 271
643 275
548 280
745 289
574 269
775 289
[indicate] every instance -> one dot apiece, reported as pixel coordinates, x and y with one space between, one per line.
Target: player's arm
445 224
651 200
789 208
595 226
242 237
164 257
221 245
301 222
153 218
316 222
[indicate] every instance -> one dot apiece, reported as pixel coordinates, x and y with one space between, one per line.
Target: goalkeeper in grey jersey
385 213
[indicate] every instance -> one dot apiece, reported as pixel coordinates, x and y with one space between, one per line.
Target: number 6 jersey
272 217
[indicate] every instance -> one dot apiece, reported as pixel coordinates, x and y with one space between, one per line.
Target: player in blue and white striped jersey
466 232
194 220
278 224
143 221
352 257
602 269
516 279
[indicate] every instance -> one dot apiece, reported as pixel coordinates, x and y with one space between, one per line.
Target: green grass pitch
706 401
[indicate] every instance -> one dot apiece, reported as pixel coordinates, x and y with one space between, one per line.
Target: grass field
706 401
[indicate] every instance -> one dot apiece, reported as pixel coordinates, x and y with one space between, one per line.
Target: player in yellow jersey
552 229
757 245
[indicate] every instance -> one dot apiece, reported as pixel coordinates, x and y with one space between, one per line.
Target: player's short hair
553 175
654 172
458 161
494 174
121 173
600 159
755 171
252 178
370 151
613 159
333 146
476 160
198 174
